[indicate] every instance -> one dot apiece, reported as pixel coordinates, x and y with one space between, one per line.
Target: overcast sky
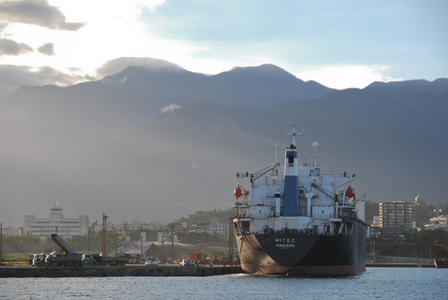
340 44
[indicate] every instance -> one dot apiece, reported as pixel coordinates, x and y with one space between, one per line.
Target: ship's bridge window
291 159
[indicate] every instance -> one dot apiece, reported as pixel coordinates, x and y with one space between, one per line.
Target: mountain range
153 144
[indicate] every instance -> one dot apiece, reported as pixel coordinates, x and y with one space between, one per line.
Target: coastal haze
154 141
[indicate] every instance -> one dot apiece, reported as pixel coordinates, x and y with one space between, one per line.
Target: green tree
151 235
372 209
422 213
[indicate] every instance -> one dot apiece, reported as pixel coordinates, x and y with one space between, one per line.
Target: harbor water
375 283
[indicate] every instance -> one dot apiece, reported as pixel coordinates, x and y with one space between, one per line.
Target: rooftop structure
420 200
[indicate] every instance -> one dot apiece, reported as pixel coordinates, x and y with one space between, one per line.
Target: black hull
307 255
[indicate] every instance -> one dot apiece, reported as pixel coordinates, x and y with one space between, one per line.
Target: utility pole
172 243
104 235
1 244
141 247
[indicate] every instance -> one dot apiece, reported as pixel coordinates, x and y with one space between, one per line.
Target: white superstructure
302 198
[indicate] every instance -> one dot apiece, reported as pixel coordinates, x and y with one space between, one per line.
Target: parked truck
71 259
96 260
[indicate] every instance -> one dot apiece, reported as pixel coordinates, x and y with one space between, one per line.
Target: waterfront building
396 219
216 227
56 223
439 220
10 231
374 231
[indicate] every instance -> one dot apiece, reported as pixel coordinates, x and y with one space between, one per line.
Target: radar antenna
294 133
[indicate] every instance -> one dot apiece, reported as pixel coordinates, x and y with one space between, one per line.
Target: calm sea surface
376 283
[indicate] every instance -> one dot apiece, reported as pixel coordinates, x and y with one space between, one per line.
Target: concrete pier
30 271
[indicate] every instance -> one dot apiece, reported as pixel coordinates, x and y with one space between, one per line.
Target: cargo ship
440 256
292 219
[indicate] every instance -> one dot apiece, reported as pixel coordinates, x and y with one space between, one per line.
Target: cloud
46 49
10 47
11 77
116 65
339 77
36 12
169 108
151 4
3 25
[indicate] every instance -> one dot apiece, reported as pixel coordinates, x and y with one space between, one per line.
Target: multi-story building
56 223
216 227
396 218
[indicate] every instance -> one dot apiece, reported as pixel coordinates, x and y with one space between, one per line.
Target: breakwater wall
400 265
398 259
116 271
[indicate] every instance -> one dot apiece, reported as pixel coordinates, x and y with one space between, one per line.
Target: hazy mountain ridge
98 146
190 156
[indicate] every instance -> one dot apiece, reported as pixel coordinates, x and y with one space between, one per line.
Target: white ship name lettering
285 240
285 243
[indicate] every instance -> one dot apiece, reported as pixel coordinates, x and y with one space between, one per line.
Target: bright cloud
341 77
152 4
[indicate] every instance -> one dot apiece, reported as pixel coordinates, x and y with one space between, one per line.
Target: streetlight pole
141 247
1 244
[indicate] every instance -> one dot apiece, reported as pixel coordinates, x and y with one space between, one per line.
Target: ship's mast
331 152
291 183
293 133
275 152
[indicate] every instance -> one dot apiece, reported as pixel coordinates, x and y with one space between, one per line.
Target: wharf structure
106 271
